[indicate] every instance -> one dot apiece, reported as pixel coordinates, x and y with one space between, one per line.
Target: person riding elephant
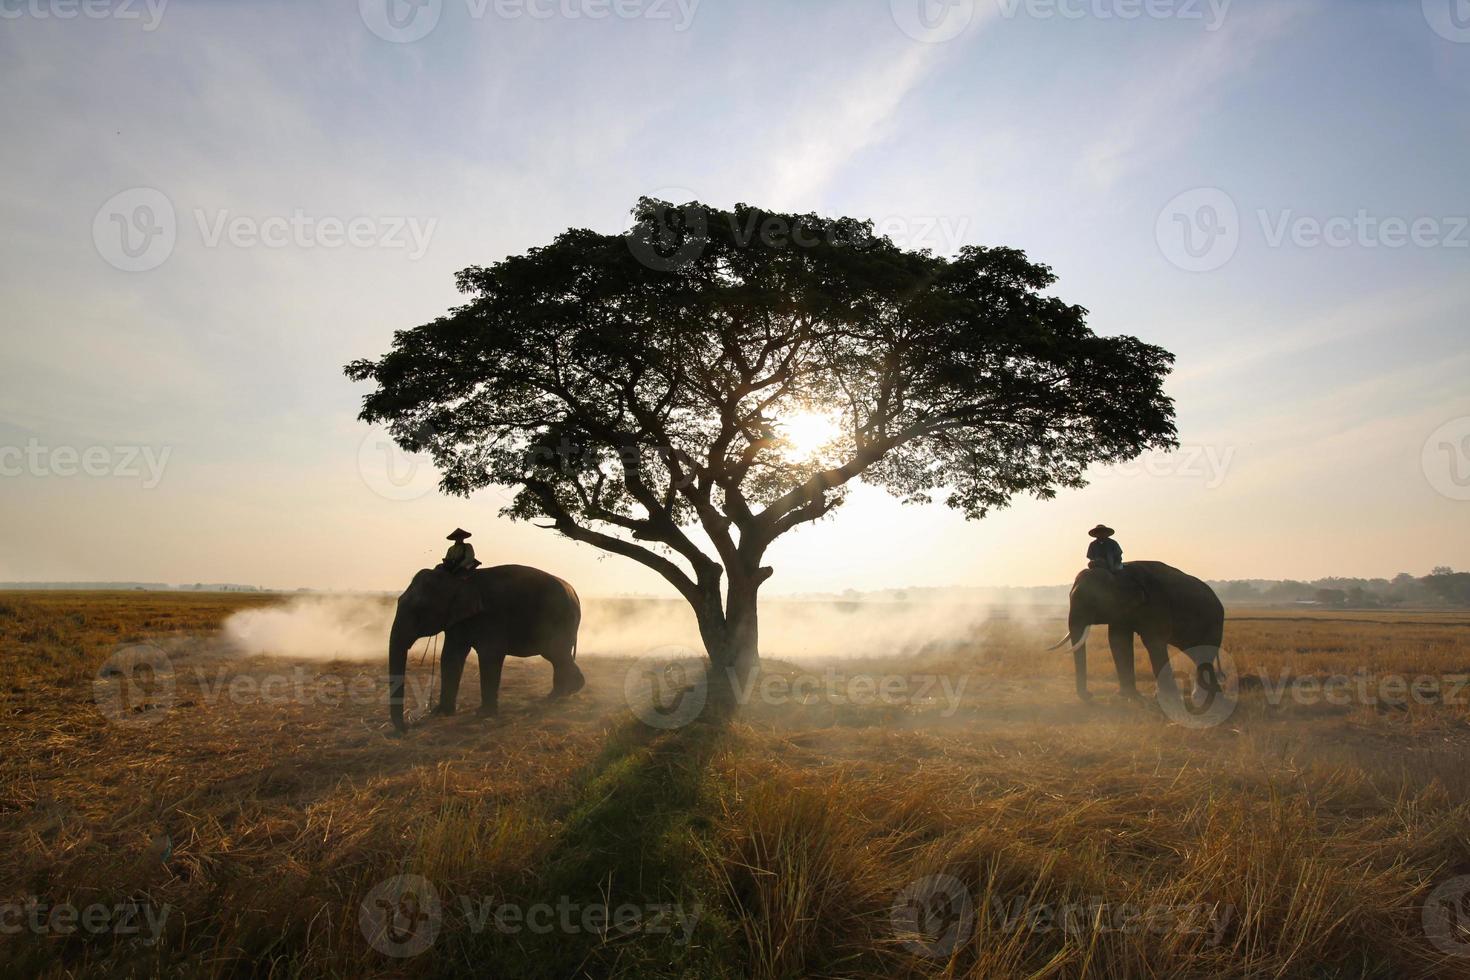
460 558
1156 602
1104 552
501 611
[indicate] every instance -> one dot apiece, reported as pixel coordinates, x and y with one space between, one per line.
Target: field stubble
995 827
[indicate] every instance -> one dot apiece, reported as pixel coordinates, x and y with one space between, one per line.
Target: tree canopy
637 389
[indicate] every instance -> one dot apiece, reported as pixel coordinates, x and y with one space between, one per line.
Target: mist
356 627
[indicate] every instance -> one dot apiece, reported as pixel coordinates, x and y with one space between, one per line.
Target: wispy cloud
853 110
1162 105
1352 320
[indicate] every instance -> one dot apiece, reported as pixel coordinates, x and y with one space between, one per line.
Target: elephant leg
1158 655
566 678
491 661
1120 641
451 669
1208 660
1209 677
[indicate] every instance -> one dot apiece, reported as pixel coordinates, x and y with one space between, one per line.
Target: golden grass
1298 839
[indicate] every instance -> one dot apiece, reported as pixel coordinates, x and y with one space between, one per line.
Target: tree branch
564 522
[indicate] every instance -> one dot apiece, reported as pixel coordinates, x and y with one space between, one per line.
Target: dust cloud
334 627
356 627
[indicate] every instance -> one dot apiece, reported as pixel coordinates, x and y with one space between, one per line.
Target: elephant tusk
1082 639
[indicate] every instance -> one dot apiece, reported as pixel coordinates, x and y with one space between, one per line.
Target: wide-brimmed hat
1101 531
459 534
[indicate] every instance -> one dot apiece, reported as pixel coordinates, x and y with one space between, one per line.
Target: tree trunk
733 644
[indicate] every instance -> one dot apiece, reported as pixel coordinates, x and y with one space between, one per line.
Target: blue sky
1311 376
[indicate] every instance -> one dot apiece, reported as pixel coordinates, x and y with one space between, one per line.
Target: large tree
638 390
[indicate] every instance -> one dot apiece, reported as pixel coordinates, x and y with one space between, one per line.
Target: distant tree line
129 587
1442 587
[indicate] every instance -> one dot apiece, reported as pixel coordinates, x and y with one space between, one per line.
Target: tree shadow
626 890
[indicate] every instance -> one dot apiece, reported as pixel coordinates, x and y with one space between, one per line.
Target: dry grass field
947 812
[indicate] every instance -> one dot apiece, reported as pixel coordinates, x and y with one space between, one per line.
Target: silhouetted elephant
507 610
1159 603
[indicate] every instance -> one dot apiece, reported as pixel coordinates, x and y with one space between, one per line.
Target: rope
432 645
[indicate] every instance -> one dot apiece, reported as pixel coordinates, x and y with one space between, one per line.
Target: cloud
1354 319
852 111
1160 107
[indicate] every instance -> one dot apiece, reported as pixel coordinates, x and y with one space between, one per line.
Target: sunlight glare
808 432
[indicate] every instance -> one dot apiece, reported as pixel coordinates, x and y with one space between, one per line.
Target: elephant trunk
400 638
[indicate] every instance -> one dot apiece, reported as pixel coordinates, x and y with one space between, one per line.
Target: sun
808 432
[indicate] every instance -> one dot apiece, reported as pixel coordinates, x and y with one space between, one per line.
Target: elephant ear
464 602
1139 589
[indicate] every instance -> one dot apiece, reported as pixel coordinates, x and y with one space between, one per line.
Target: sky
210 207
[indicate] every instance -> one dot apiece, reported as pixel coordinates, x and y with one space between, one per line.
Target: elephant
1158 602
505 610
